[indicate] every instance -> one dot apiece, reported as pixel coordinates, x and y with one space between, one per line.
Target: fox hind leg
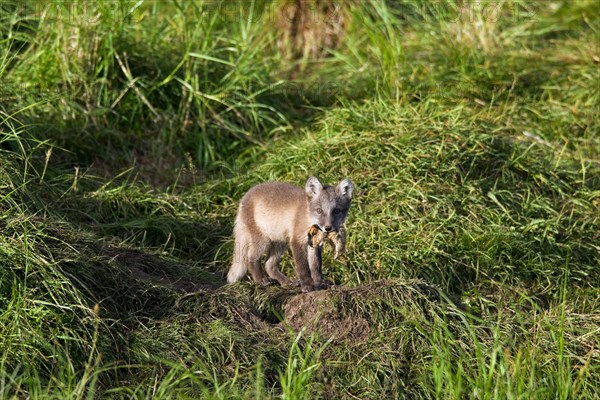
275 253
248 252
254 254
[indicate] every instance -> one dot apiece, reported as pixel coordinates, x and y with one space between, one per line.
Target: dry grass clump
310 29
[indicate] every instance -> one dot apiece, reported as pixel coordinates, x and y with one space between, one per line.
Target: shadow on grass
541 213
126 263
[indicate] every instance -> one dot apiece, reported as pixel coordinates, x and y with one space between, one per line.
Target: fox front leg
315 260
303 271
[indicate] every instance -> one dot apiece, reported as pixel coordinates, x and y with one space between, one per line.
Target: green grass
130 130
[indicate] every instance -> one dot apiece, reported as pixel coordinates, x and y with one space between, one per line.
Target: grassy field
130 130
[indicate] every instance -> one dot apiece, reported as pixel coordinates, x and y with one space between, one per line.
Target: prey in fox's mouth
317 237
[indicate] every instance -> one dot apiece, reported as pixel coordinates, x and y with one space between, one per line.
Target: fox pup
316 238
274 214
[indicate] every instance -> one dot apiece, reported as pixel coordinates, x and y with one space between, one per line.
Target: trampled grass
129 131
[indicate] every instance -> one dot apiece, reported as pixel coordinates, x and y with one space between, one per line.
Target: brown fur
272 216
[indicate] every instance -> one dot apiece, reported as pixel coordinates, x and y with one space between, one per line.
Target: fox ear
313 187
345 188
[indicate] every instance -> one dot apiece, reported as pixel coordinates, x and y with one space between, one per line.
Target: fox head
327 205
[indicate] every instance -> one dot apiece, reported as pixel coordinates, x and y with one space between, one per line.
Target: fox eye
319 211
337 211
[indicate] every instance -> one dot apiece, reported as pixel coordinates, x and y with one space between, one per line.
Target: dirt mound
342 313
338 314
315 312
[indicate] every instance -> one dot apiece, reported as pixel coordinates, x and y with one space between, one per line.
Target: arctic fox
274 214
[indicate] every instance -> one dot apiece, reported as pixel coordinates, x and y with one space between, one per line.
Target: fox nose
327 228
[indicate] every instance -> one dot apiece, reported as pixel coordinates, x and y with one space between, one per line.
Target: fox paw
268 282
307 288
294 282
321 285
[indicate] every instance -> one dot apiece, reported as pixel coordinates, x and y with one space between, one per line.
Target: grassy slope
474 143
